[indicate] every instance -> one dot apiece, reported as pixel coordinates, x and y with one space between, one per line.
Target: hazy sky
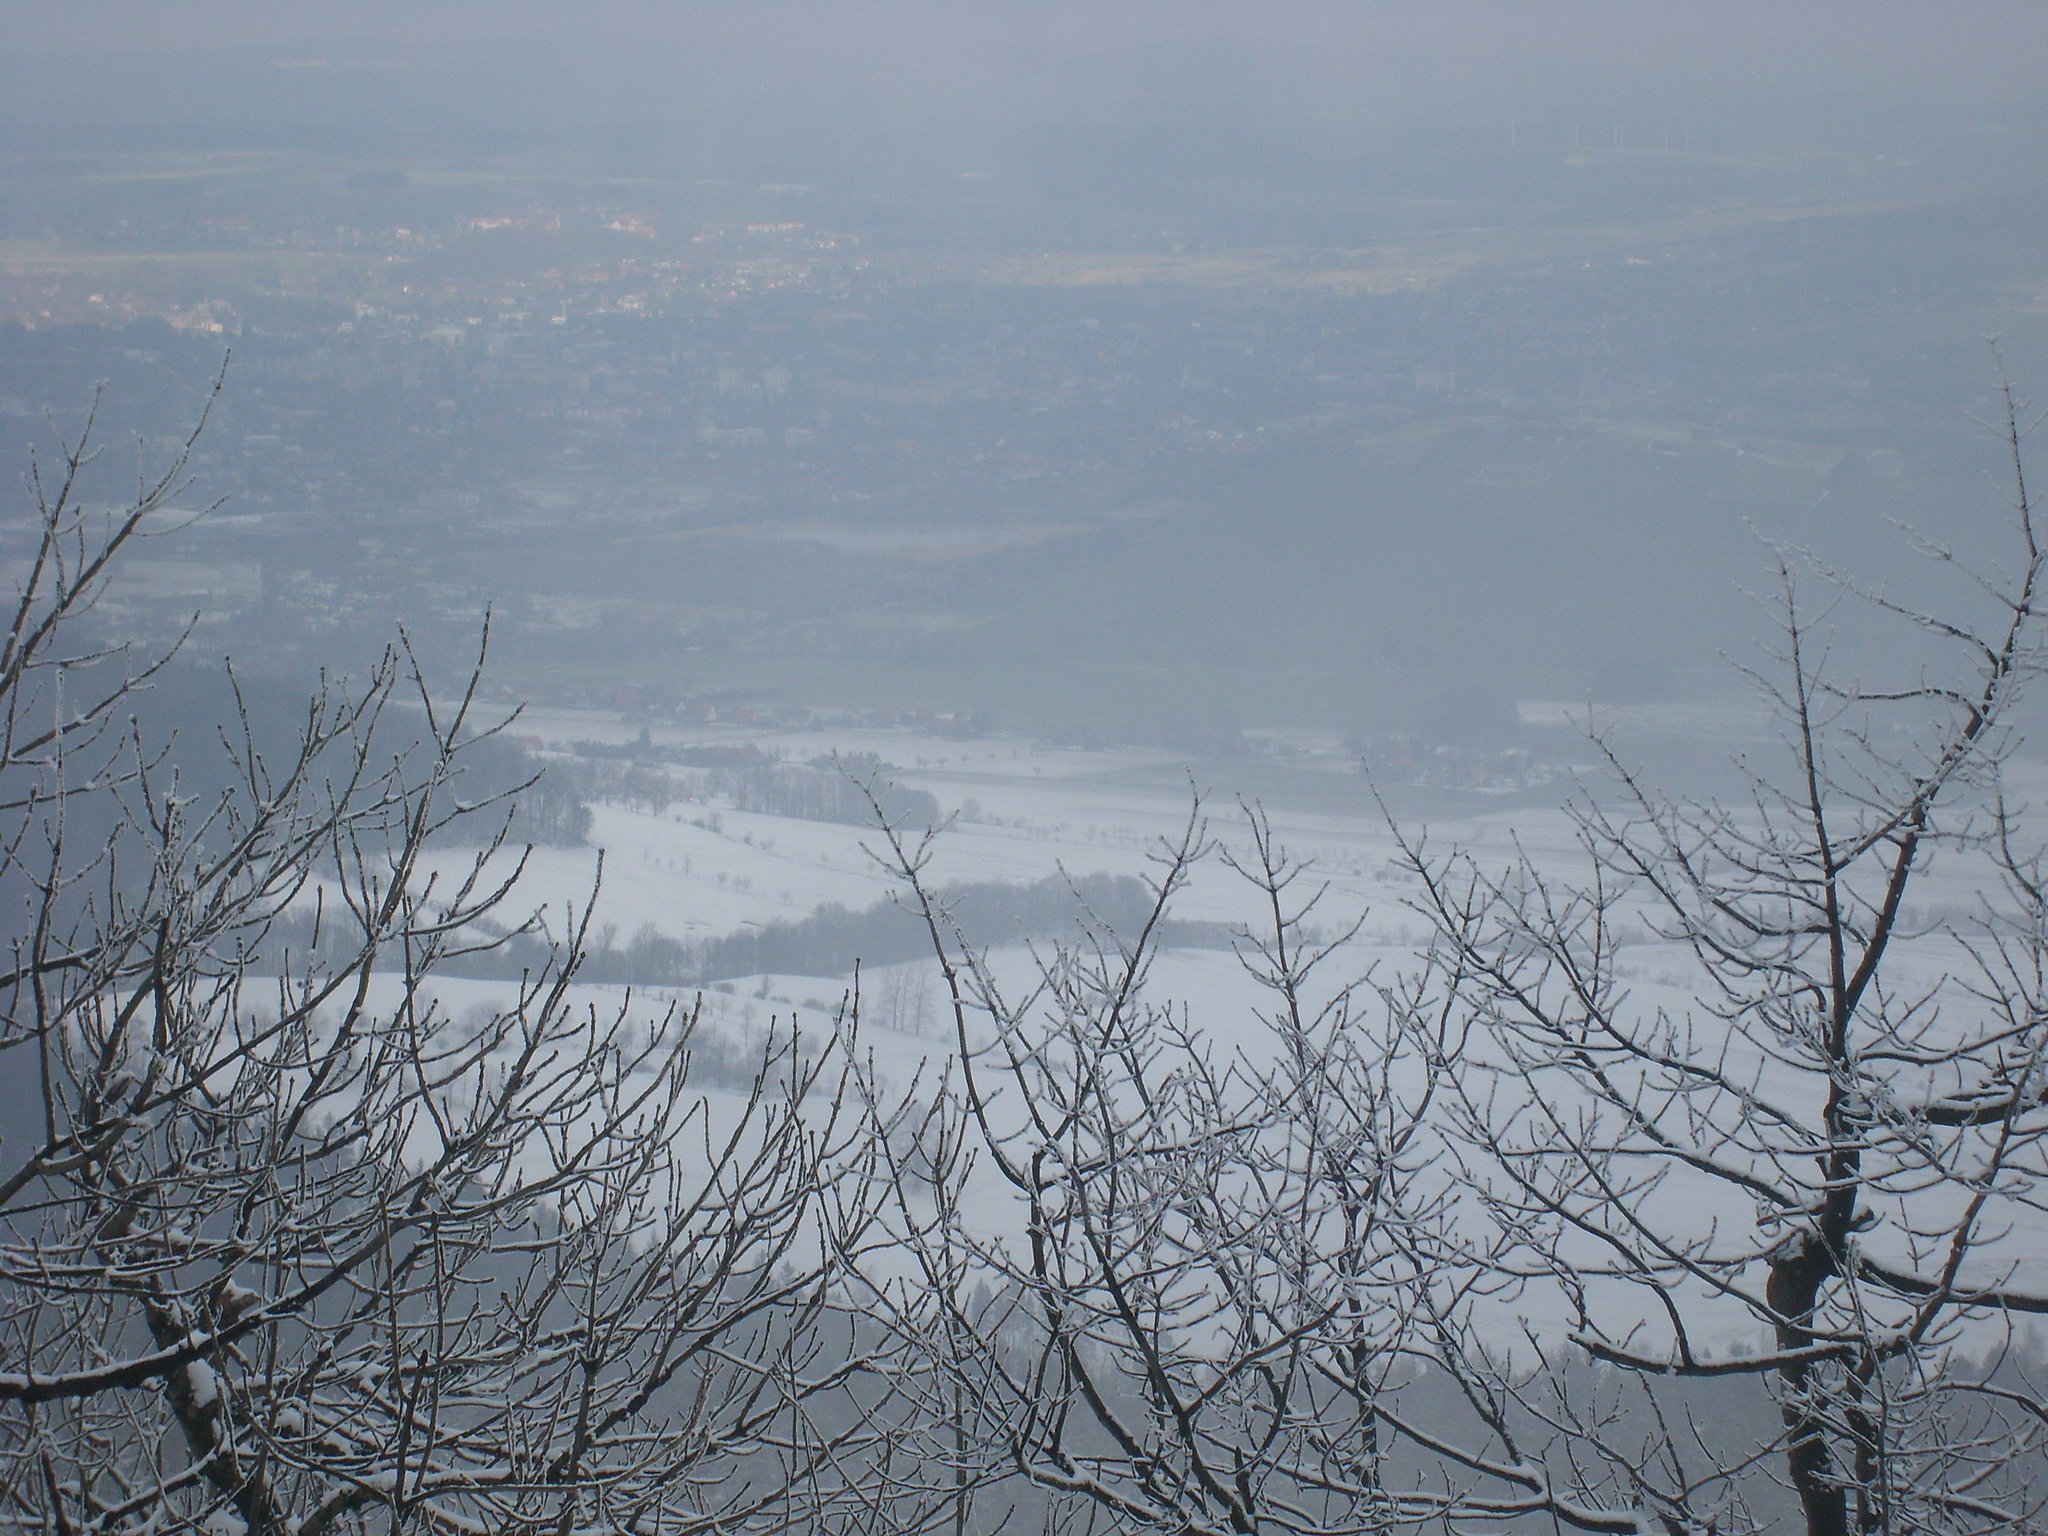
1835 67
1852 197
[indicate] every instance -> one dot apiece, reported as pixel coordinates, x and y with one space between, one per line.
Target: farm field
1022 811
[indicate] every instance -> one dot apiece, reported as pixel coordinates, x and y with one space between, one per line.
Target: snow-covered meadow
1021 811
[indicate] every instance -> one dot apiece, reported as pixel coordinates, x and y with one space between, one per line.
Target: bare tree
1169 1285
1508 1235
1818 1163
903 997
295 1248
1175 1286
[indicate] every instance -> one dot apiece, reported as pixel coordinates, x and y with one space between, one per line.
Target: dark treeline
232 735
217 744
832 940
545 804
651 776
832 790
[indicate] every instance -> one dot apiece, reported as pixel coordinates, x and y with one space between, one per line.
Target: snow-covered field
1022 811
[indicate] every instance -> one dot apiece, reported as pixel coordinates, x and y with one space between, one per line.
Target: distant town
704 447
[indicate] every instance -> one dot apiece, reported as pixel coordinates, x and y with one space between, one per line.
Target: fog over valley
1012 766
1083 375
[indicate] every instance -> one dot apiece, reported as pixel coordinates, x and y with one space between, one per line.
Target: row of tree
1490 1242
826 789
835 940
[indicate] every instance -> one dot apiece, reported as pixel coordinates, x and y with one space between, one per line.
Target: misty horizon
1151 372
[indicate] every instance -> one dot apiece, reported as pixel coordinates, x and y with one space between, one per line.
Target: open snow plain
1022 811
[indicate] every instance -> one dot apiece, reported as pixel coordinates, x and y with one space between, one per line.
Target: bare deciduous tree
1827 1145
1521 1239
295 1248
1177 1286
1216 1279
902 997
